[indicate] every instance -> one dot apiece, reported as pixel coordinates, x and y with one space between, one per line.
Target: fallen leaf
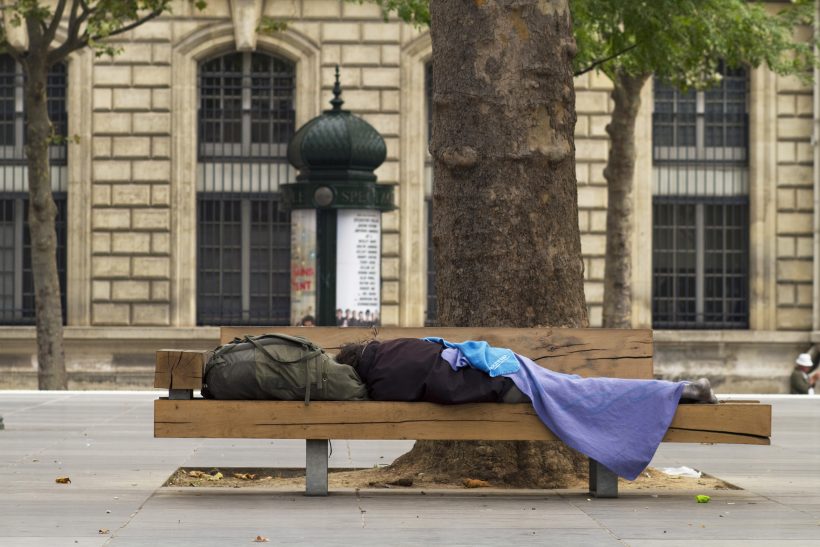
215 477
104 530
197 474
63 480
702 499
475 483
261 539
244 476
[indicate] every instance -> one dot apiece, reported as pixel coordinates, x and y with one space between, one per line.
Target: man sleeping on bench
618 422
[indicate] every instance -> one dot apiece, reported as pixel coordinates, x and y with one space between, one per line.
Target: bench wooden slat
731 417
674 435
614 353
617 353
724 423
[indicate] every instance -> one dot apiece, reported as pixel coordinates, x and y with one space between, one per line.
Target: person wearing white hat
801 382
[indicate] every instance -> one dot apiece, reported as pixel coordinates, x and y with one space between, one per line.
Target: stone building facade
133 186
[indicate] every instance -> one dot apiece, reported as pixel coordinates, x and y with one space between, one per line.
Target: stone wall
131 182
134 269
133 152
795 204
593 107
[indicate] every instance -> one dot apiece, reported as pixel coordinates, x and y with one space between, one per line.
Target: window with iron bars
700 258
16 278
246 118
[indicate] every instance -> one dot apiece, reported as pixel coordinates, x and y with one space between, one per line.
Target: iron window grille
17 306
700 263
700 257
702 126
12 113
246 119
244 261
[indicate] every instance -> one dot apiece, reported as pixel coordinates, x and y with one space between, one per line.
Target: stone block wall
131 247
131 181
795 204
132 147
593 108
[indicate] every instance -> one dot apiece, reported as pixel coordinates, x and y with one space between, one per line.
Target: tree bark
619 174
42 213
505 212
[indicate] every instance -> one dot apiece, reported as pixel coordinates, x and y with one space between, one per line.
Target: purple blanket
619 423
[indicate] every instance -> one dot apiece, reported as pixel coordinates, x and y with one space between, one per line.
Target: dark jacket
409 369
799 382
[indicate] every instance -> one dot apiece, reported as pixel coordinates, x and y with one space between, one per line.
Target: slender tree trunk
619 174
505 212
42 213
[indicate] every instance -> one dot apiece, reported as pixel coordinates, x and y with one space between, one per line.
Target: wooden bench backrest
587 352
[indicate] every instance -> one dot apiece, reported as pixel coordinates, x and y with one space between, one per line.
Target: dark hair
351 353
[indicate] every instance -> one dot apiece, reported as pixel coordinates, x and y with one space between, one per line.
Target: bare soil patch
384 477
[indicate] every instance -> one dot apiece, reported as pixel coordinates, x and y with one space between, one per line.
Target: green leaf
680 41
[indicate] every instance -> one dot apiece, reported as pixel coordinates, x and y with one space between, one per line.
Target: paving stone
104 442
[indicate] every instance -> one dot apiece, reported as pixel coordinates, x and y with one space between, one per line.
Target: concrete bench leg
180 394
316 467
603 483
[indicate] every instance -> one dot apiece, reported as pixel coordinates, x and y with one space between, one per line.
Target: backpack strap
304 343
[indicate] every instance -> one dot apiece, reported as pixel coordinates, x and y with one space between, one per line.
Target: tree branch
137 22
51 31
604 60
73 23
73 41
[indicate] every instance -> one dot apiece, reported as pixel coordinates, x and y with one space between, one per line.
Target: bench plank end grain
180 369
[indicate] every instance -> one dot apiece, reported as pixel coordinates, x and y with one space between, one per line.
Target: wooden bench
587 352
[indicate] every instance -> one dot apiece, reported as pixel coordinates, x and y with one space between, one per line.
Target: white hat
804 360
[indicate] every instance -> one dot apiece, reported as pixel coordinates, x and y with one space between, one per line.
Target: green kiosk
336 207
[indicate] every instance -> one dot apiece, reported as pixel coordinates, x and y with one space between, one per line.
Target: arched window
700 258
16 279
245 118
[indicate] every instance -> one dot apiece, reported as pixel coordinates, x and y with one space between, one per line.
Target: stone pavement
103 442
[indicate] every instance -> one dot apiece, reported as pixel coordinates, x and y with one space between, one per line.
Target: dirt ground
381 477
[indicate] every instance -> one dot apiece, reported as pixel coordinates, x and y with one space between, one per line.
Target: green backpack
279 367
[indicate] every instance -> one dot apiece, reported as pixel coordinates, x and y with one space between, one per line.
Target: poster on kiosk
358 249
302 266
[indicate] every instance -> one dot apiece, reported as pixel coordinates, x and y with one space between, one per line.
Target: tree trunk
505 207
42 213
619 174
505 212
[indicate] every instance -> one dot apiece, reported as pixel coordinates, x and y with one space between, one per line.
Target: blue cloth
481 355
617 422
